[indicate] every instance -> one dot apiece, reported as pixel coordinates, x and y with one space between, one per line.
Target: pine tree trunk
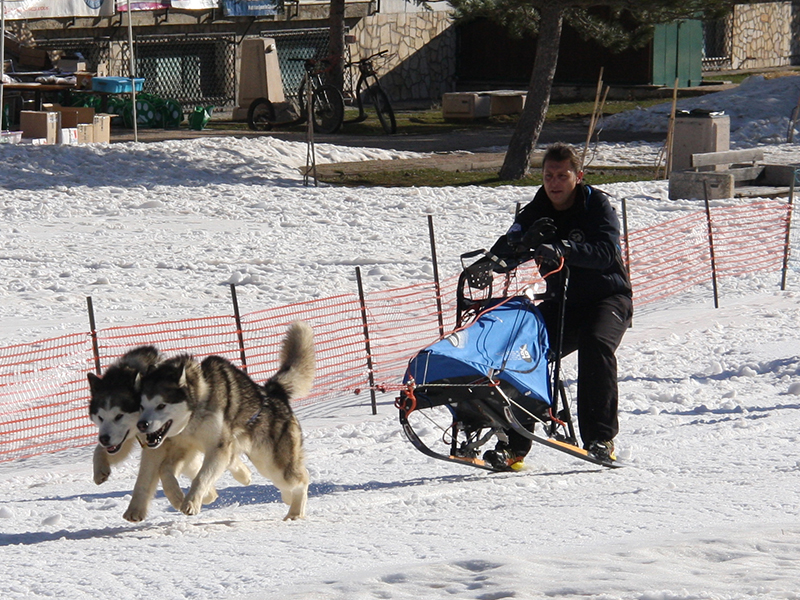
336 42
526 134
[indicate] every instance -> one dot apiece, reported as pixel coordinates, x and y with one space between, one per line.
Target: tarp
508 343
43 9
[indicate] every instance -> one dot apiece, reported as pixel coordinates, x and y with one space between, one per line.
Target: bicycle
327 102
369 88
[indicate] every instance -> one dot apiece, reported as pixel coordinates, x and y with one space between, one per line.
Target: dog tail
141 359
298 364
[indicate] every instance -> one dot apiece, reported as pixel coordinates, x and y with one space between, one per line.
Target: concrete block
507 103
691 184
466 105
779 175
695 135
259 75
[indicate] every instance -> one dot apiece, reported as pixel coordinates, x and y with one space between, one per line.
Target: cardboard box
33 57
71 64
68 136
102 129
36 124
83 80
85 133
465 105
72 116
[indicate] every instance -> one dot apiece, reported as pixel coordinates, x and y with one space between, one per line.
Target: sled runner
496 372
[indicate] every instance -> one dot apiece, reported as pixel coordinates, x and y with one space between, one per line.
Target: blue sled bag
506 344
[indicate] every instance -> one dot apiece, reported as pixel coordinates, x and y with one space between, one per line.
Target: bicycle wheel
260 115
385 113
328 109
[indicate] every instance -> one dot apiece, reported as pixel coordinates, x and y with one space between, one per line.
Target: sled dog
115 409
217 409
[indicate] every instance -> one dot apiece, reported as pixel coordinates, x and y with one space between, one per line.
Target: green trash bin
200 117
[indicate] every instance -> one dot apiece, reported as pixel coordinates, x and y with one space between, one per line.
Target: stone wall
421 62
761 35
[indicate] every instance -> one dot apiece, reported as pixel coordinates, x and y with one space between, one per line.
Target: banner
250 8
44 9
195 4
122 5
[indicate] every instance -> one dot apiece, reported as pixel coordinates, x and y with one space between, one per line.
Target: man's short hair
560 152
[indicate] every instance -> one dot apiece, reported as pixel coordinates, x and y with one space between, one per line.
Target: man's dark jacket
590 230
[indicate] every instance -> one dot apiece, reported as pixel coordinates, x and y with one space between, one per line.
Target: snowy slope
710 409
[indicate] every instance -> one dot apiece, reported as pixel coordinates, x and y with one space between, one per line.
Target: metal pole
93 330
2 60
370 372
238 327
627 244
788 241
711 246
311 151
133 74
625 237
436 276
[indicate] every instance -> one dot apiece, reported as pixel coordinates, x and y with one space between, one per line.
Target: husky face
114 407
165 402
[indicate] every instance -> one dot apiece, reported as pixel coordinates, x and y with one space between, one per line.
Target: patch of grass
728 78
439 178
431 121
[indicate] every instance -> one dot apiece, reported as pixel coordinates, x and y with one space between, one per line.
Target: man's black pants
595 331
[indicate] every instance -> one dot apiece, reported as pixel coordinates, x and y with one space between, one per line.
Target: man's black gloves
551 253
542 230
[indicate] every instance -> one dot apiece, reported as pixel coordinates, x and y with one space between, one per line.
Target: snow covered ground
710 413
760 110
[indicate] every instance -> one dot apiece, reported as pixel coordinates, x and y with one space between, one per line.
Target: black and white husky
217 409
115 408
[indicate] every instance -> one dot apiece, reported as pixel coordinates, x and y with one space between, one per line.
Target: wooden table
37 89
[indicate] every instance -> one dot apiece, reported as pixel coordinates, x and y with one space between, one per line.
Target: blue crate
115 85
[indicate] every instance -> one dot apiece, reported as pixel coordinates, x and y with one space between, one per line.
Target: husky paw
101 473
240 472
211 496
101 465
190 506
134 514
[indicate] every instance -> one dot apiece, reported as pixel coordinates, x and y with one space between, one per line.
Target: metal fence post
370 371
788 242
93 330
238 327
436 276
711 246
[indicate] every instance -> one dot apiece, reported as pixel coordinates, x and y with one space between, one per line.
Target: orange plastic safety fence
44 393
43 396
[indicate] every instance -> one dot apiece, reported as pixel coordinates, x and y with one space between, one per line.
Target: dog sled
496 372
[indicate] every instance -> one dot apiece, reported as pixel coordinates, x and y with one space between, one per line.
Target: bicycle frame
369 85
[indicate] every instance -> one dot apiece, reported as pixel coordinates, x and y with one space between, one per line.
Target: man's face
560 181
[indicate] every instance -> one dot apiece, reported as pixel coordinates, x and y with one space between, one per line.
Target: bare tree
336 42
